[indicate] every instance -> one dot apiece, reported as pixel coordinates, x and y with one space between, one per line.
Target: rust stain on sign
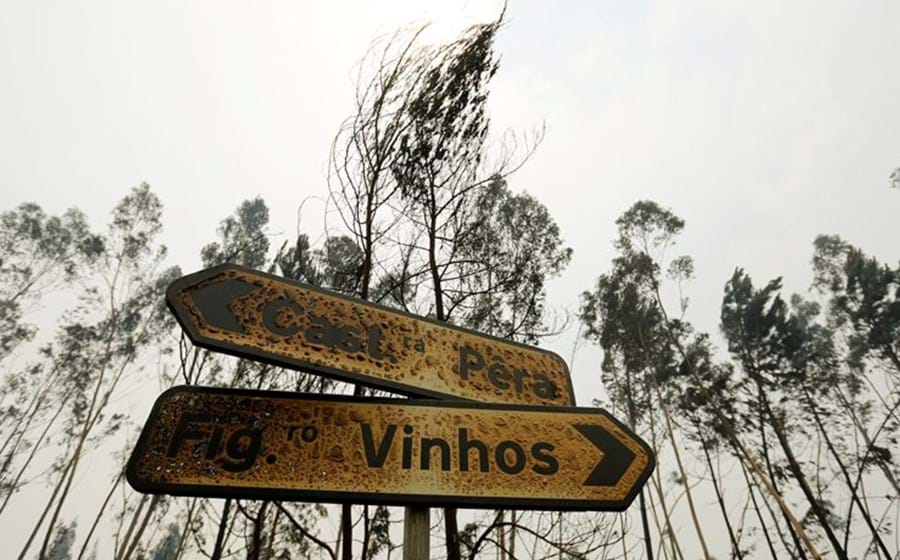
255 315
287 446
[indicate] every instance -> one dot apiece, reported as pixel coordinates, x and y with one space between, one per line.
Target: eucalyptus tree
243 238
99 342
665 373
863 304
509 250
863 309
38 253
780 350
444 159
511 247
864 295
642 345
266 528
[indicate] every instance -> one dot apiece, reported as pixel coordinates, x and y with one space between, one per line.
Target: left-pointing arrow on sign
214 303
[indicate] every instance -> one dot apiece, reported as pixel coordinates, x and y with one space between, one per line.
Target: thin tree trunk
34 406
501 534
867 439
670 432
853 494
859 474
646 526
220 537
62 498
452 532
759 516
684 477
621 517
17 433
774 481
14 484
346 532
337 542
889 350
735 548
666 530
187 529
560 538
136 539
365 280
126 540
662 528
643 505
37 526
512 535
256 538
99 515
451 529
795 469
91 416
366 533
272 534
772 492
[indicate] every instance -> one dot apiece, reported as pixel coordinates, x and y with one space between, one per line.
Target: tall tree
864 294
768 343
242 237
512 246
99 342
37 253
642 346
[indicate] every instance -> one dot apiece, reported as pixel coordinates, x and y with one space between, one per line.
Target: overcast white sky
761 123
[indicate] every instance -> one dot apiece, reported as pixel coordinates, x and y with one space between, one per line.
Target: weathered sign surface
289 446
263 317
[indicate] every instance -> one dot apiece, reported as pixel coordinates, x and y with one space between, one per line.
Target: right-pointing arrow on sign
616 456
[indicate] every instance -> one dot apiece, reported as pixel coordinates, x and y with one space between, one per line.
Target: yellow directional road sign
255 315
288 446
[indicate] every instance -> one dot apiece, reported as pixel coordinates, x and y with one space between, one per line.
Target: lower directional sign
288 446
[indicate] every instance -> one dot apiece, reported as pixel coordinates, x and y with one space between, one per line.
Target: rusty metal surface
257 444
255 315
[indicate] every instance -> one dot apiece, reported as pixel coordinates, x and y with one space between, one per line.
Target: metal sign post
416 532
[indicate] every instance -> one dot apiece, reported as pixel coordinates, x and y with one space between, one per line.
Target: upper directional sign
251 314
288 446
